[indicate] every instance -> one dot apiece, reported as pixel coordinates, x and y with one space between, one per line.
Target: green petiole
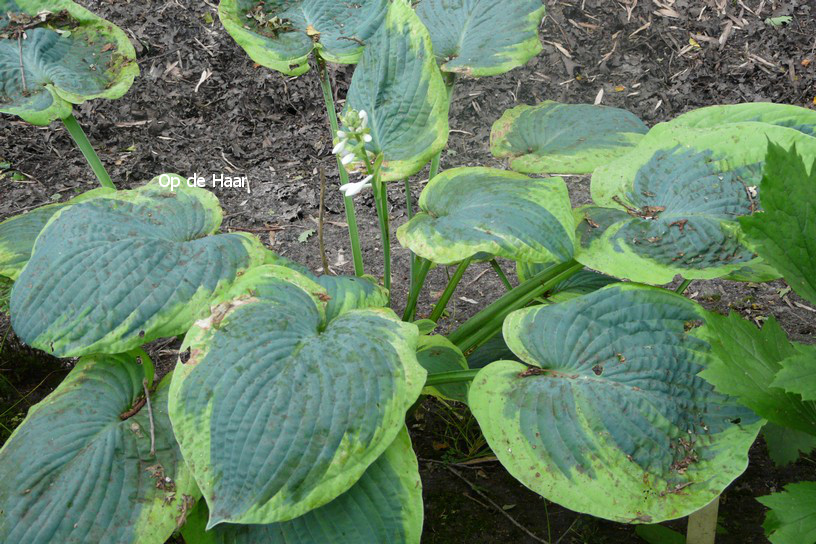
448 293
84 145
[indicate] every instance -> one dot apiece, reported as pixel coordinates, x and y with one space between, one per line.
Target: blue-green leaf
610 417
564 138
482 37
671 205
465 212
115 272
438 354
384 506
17 234
79 467
68 56
399 86
280 34
279 411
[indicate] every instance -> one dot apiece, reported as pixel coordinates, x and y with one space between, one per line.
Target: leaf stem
409 206
422 273
84 145
499 272
485 324
22 66
351 216
683 286
448 293
381 204
150 417
452 376
321 222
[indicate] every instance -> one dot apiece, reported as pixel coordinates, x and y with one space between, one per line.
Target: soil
201 106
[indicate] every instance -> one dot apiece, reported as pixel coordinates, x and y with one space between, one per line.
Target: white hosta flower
347 159
367 138
339 148
355 188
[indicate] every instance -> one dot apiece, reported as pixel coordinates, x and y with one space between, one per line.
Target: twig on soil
150 417
560 538
496 506
320 219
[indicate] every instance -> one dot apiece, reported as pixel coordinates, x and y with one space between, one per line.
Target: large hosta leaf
88 58
783 115
400 87
671 205
792 518
785 234
384 506
564 138
747 361
482 37
115 272
17 234
279 411
280 34
611 418
79 467
468 211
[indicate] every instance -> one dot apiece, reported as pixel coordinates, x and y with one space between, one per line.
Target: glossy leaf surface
116 272
610 418
465 212
482 37
76 472
278 410
88 58
553 138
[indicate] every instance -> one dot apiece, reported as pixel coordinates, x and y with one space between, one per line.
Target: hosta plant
284 419
55 54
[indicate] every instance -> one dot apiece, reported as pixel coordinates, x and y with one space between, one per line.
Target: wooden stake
702 524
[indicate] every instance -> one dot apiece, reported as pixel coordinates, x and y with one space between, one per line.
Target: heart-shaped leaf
483 37
611 418
438 354
118 271
785 234
564 138
277 410
385 505
671 205
68 54
468 211
783 115
17 234
400 87
79 467
280 34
